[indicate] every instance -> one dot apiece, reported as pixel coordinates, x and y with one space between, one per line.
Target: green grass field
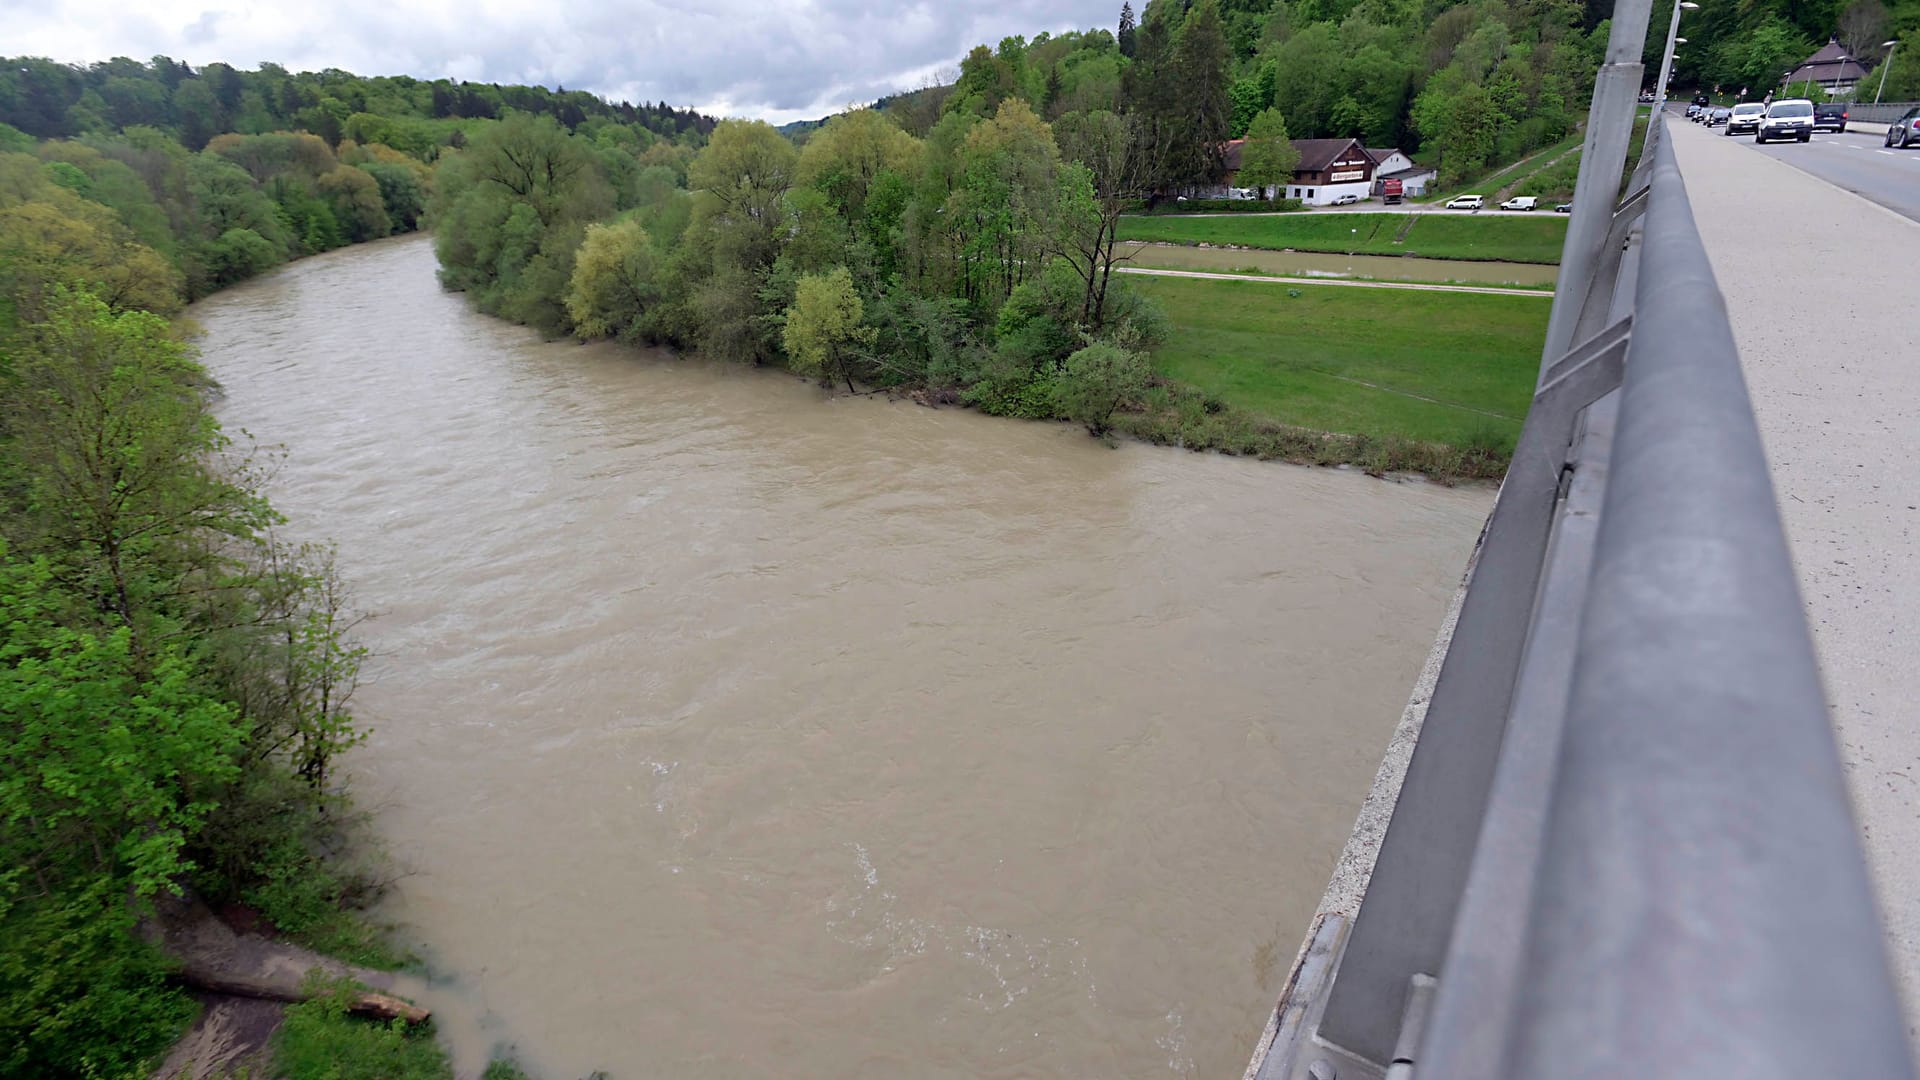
1434 236
1511 175
1449 368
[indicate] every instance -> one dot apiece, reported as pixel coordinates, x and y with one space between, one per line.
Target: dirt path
1482 290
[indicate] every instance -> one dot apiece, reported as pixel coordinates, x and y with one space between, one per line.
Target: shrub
320 1041
1219 206
1098 380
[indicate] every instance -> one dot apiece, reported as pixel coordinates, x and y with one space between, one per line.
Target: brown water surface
728 729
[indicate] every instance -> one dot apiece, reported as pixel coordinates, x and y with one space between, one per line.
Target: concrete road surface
1856 161
1822 288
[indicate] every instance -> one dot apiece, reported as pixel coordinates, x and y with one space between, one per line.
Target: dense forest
174 676
1471 84
1748 46
962 239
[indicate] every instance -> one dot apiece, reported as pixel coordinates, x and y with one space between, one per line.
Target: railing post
1616 94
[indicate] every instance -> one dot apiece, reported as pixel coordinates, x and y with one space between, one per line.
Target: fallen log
363 1003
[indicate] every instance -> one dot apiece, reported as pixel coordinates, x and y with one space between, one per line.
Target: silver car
1905 131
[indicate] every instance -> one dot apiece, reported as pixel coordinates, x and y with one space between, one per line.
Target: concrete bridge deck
1823 287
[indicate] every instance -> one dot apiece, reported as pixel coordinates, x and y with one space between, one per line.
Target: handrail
1703 906
1623 844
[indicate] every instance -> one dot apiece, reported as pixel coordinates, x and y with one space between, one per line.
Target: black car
1905 131
1718 116
1831 117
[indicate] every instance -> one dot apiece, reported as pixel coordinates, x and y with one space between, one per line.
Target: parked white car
1346 200
1467 202
1521 202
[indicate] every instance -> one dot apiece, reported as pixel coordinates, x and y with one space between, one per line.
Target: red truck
1390 191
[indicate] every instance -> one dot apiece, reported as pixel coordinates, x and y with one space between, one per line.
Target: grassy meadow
1450 369
1506 238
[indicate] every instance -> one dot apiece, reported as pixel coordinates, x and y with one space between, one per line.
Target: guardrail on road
1884 113
1623 845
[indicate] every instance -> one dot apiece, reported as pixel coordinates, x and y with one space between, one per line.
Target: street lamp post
1884 65
1666 63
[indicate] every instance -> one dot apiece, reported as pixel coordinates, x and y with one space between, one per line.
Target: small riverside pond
726 728
1312 264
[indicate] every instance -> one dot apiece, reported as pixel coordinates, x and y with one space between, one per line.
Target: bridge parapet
1623 845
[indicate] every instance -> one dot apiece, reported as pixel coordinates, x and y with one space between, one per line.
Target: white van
1521 202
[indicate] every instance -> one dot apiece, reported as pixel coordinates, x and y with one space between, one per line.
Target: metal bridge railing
1623 846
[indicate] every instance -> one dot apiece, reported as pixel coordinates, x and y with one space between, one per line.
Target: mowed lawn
1448 368
1507 238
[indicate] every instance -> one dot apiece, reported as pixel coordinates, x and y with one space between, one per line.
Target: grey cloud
203 30
751 56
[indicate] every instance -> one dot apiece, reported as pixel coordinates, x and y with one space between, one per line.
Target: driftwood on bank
364 1002
213 957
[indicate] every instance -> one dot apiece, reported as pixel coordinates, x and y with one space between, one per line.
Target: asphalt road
1857 162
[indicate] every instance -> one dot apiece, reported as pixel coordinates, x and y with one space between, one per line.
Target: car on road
1745 118
1788 118
1564 208
1719 116
1830 116
1521 202
1346 200
1905 131
1466 202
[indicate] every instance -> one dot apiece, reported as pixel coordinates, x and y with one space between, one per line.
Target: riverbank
1436 383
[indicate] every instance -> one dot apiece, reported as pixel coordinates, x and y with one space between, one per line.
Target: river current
726 728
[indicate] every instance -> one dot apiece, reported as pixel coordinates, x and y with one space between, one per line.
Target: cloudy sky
776 60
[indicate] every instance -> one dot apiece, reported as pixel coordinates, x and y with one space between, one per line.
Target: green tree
746 170
1200 59
1113 172
1002 209
1097 381
1268 158
1251 94
111 439
843 158
824 333
110 756
613 280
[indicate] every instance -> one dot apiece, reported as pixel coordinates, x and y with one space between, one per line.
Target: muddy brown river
725 728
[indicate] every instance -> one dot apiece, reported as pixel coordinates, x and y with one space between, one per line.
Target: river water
725 728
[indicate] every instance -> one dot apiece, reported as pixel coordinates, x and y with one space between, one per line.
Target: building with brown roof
1328 169
1831 67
